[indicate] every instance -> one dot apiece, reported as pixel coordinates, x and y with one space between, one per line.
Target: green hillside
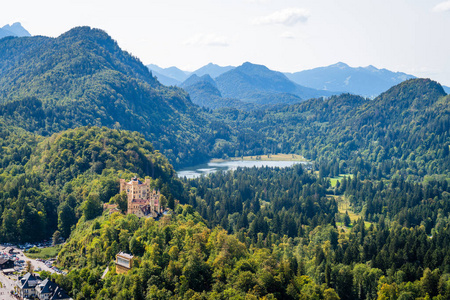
45 183
77 114
83 78
405 130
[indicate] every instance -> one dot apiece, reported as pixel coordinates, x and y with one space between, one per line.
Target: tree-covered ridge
406 127
410 204
16 147
66 155
50 185
82 78
36 66
180 257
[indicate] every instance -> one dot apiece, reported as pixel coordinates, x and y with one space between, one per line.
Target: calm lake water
198 170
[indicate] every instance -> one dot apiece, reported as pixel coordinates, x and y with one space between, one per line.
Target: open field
43 253
269 157
334 180
344 206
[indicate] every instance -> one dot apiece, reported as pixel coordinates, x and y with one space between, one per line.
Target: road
7 285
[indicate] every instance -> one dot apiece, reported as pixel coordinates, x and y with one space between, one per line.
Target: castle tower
140 196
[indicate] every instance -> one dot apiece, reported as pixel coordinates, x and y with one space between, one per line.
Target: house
139 195
46 289
31 286
6 263
60 294
27 285
124 262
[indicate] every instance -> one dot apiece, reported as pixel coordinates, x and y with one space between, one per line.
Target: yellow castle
142 201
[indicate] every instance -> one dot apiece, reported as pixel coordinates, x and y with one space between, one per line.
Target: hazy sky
411 36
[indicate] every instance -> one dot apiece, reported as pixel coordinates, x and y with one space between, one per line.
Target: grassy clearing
334 180
281 156
43 253
344 206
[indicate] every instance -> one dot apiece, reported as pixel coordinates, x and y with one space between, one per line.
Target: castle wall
139 195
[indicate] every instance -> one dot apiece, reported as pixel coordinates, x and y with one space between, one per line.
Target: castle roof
134 179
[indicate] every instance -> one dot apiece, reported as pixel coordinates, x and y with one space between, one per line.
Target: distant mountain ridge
15 29
176 76
203 91
194 78
212 70
339 78
83 78
171 75
248 86
248 81
168 81
365 81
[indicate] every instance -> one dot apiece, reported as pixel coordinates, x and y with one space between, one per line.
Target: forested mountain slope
84 78
248 234
48 184
405 129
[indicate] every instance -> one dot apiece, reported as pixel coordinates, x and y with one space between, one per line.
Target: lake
205 169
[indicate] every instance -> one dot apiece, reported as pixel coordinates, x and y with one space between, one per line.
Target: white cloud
441 7
288 17
210 39
288 35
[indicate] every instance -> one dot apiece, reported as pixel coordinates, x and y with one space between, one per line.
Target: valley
330 195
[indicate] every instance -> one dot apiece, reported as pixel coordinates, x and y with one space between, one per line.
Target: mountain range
365 81
175 76
337 78
83 78
248 86
77 113
15 29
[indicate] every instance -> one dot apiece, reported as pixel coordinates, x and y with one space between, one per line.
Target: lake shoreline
269 157
275 161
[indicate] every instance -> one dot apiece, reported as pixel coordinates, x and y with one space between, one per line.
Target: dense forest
368 221
48 184
404 131
82 78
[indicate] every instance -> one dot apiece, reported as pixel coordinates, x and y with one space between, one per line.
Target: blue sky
411 36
